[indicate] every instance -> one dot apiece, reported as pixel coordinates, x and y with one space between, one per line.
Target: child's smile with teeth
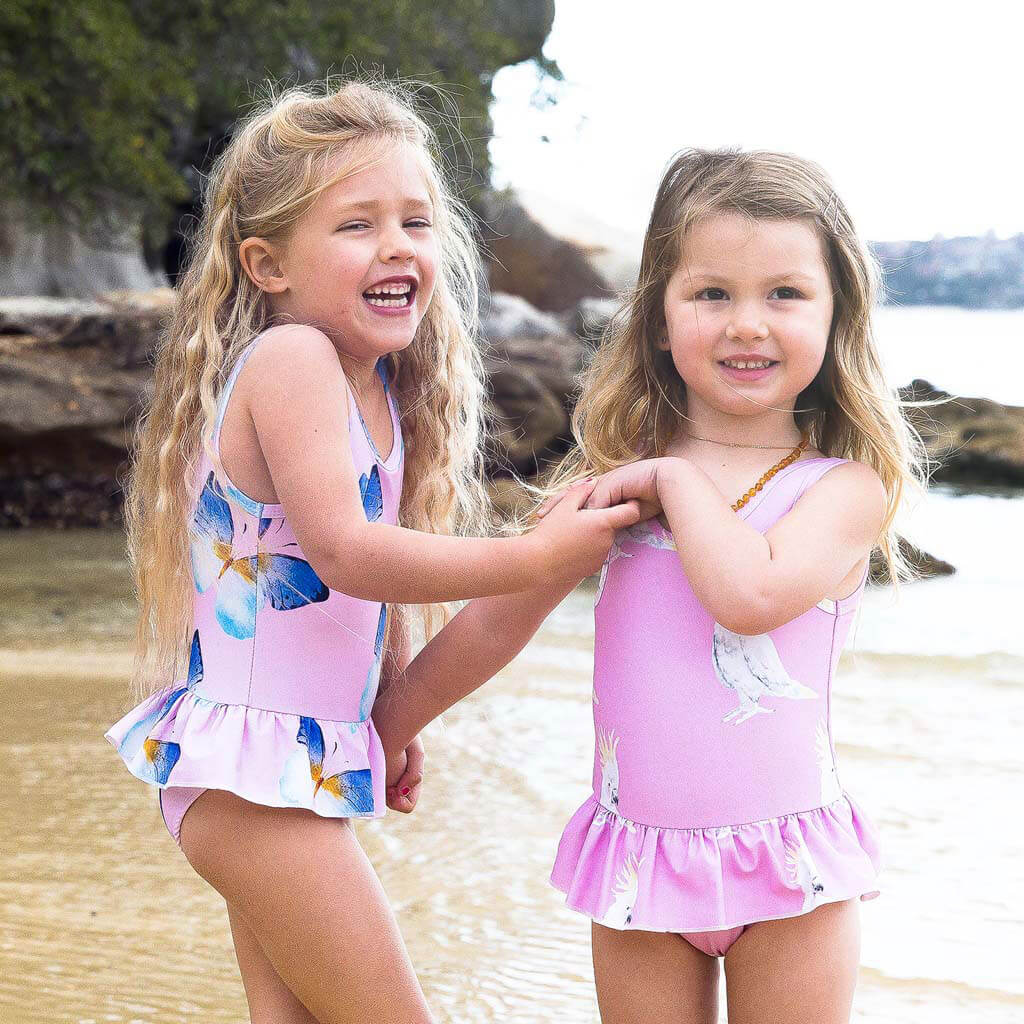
741 364
392 294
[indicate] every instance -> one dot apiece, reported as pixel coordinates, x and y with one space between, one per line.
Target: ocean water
101 918
966 352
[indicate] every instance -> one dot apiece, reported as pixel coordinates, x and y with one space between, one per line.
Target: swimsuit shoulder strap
229 385
813 472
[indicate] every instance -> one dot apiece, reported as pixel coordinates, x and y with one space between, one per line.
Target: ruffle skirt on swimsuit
177 738
626 875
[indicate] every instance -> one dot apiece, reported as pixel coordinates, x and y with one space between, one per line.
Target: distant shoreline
969 272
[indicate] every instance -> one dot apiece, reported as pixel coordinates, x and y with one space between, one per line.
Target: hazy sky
915 109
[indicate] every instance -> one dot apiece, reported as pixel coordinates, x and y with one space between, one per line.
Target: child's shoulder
292 356
848 483
293 344
851 472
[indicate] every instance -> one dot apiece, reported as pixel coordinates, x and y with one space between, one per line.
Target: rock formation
974 441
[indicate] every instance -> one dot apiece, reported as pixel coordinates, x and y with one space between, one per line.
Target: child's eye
353 225
418 222
711 294
786 292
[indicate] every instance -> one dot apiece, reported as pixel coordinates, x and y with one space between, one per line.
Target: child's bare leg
653 978
270 1000
801 970
303 887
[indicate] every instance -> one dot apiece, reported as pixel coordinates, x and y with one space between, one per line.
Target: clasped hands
637 482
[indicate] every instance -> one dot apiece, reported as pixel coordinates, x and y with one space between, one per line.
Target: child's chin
384 345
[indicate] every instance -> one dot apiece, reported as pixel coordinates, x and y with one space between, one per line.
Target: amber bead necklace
767 475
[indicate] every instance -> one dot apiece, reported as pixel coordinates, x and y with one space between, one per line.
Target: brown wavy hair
274 168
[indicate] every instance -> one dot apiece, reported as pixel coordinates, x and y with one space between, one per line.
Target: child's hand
404 776
636 482
578 539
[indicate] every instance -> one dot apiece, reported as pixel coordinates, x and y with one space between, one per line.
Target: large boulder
54 258
524 258
924 565
531 363
73 377
973 440
123 325
514 332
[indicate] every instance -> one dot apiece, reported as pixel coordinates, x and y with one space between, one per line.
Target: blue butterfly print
244 585
351 790
161 757
136 737
195 663
373 497
373 676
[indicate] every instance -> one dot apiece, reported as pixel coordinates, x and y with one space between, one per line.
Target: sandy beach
103 920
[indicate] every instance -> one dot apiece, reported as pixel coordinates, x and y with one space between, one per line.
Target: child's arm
753 582
478 642
405 770
296 394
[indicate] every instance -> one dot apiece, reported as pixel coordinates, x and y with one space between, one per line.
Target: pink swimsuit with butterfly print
717 801
283 671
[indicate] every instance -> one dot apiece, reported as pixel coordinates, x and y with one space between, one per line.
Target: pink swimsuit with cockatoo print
717 801
283 671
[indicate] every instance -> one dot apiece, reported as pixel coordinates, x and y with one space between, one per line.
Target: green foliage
108 104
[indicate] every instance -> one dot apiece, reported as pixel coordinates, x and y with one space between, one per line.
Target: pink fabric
283 670
714 943
174 802
717 800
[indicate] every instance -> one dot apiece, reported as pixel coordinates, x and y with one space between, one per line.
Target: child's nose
747 323
396 245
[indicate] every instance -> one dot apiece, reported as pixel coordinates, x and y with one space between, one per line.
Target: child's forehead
735 240
380 174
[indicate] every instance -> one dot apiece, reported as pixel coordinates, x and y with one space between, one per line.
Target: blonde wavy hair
280 159
632 398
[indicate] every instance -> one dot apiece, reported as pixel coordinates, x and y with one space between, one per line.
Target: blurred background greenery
113 108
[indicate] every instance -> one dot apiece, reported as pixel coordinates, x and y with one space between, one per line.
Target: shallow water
103 920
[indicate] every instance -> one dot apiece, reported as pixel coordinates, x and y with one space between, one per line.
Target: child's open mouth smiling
393 295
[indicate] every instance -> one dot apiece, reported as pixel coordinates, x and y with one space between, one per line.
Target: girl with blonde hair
738 398
313 440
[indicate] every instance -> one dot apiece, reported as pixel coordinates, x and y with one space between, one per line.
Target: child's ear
262 266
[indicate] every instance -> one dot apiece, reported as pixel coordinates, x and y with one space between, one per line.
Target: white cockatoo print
826 764
627 886
751 666
607 745
802 872
607 817
646 534
615 552
642 533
